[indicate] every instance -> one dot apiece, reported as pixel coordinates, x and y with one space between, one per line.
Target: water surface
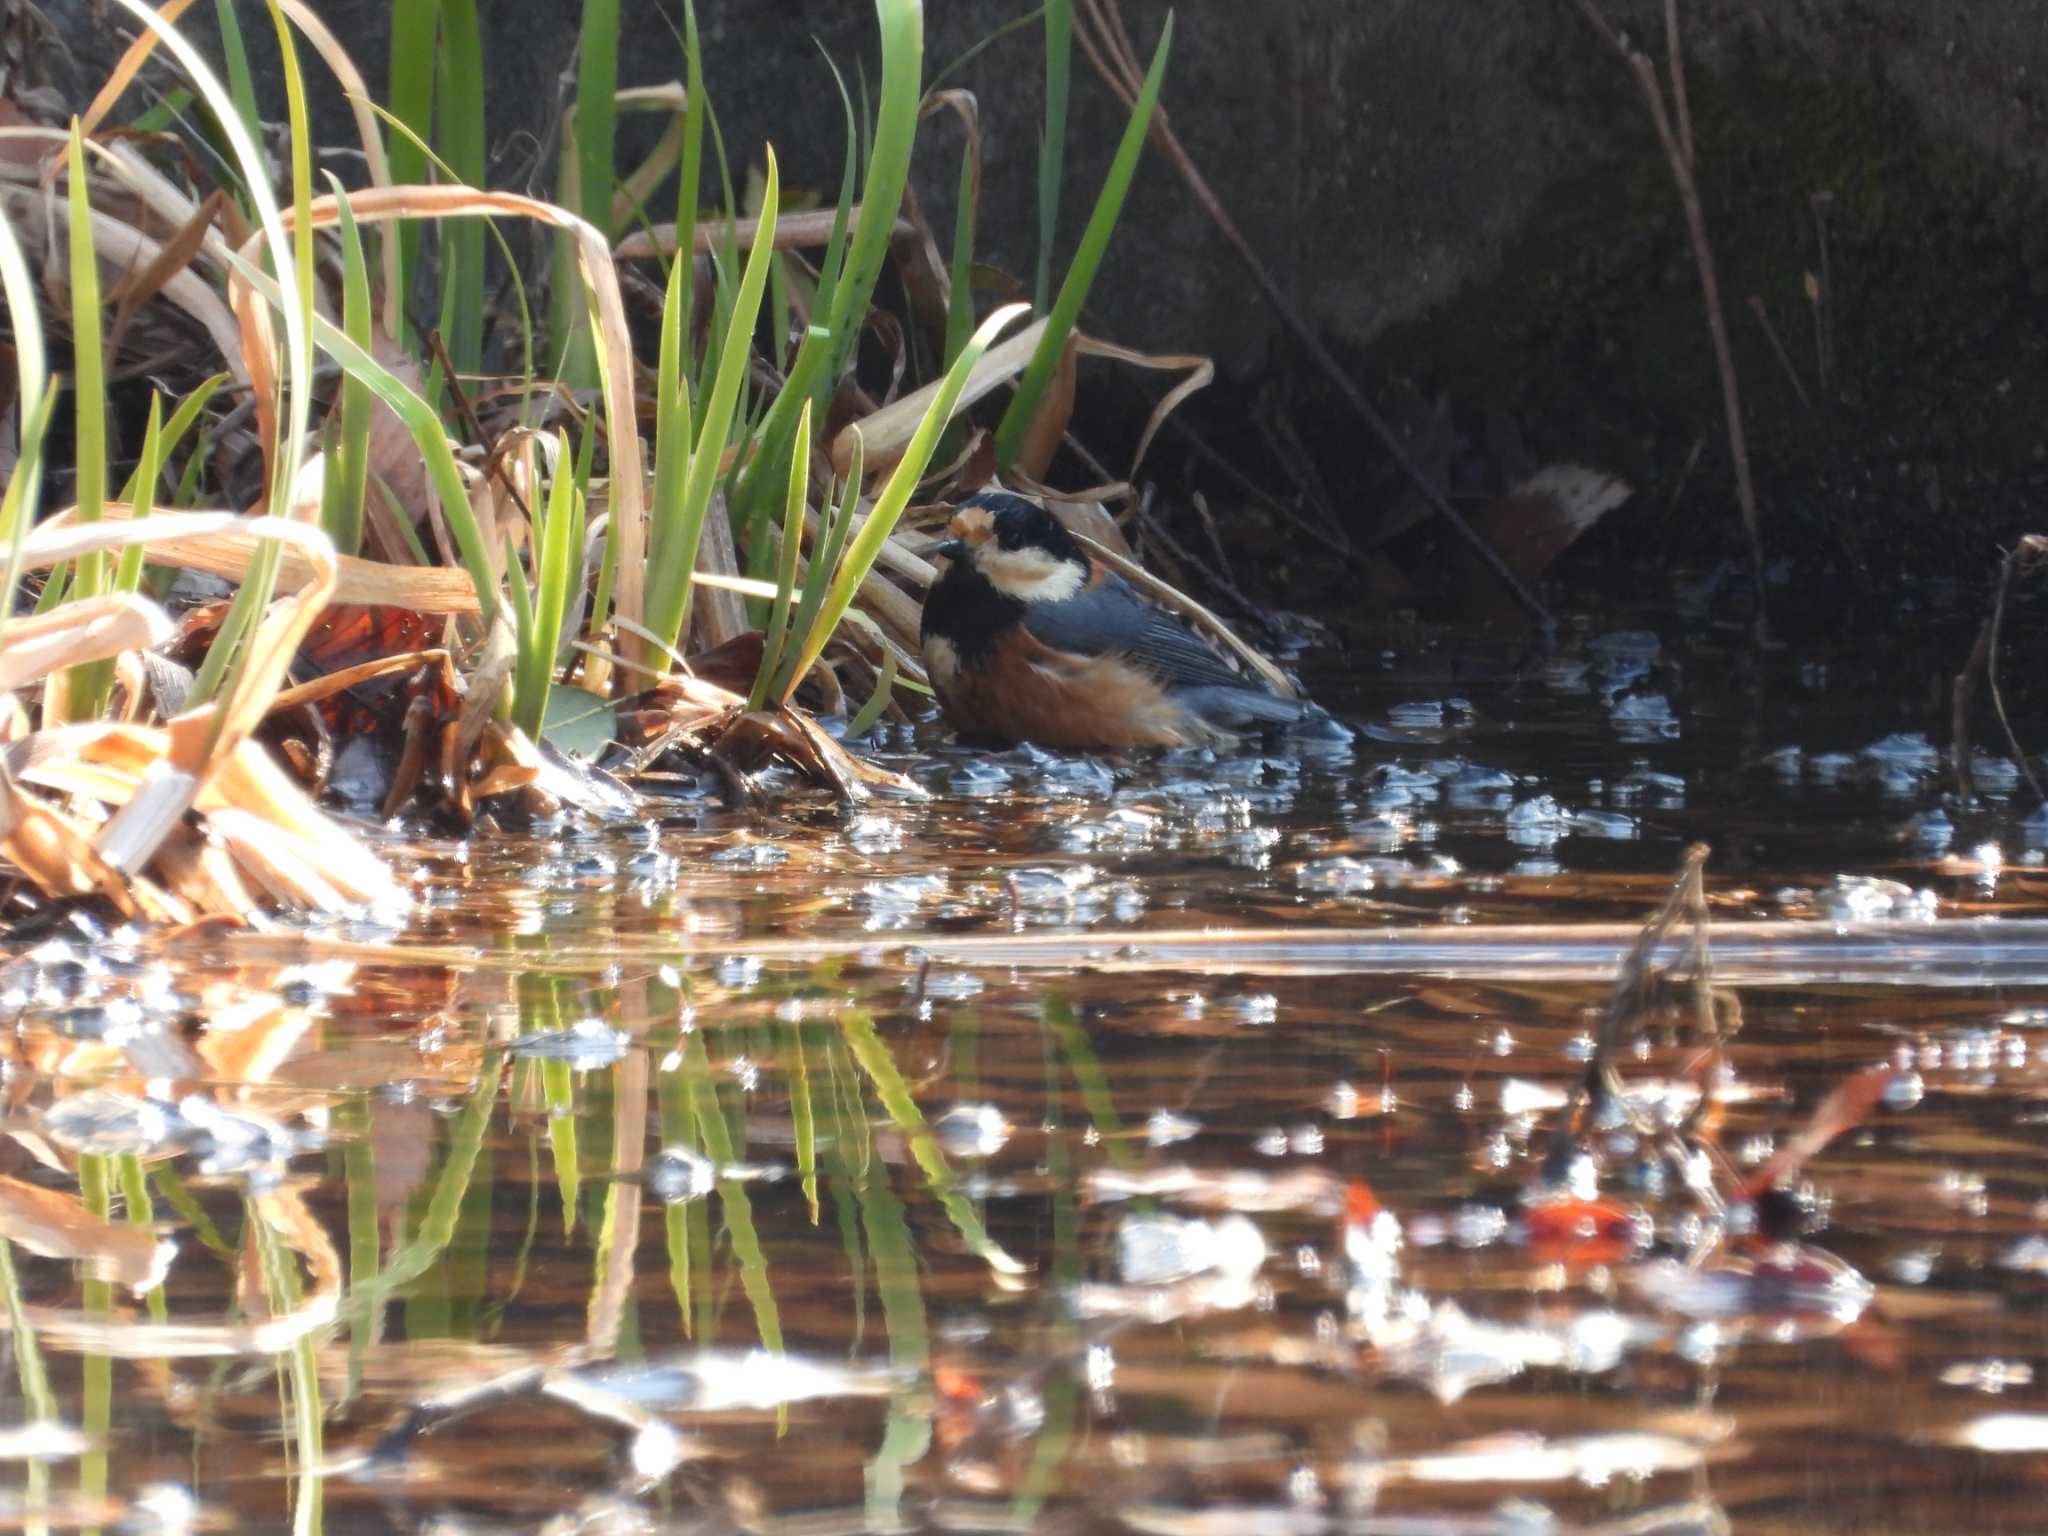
1167 1145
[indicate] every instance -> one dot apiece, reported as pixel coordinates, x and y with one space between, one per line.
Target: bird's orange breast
1023 690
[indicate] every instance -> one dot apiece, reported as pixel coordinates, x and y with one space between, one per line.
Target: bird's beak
951 549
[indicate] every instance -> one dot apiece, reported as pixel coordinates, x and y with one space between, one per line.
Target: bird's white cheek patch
941 661
1032 576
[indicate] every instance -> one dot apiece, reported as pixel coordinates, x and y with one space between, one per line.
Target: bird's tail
1245 711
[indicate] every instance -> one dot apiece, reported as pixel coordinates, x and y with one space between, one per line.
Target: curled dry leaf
58 1226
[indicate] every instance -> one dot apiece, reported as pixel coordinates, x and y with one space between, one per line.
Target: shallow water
944 1167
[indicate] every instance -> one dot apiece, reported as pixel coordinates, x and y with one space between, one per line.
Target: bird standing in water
1026 638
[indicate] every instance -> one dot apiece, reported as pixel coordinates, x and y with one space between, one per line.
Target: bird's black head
1017 547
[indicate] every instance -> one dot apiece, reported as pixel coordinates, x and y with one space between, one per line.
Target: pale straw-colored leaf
88 630
887 432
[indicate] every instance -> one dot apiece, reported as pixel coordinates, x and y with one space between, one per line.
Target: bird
1025 637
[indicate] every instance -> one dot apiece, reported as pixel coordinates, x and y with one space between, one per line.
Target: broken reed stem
1678 153
2026 556
1099 29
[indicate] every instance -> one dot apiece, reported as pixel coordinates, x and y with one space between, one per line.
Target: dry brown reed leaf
363 672
806 230
1049 422
37 156
1200 371
379 204
59 857
127 67
89 629
639 183
110 763
123 249
1169 596
357 93
291 875
720 615
137 288
205 757
58 1226
887 432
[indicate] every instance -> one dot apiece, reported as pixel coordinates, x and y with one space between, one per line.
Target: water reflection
931 1167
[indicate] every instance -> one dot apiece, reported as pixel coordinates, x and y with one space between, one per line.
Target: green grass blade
415 34
690 172
878 701
833 527
894 1095
140 493
36 400
668 584
671 420
241 82
597 110
866 546
968 55
512 263
423 425
960 269
785 579
1052 146
224 660
1066 309
902 25
462 143
558 562
87 688
348 478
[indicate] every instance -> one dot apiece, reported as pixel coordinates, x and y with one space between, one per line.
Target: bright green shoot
538 616
829 346
1052 148
678 527
777 633
1066 309
348 473
866 546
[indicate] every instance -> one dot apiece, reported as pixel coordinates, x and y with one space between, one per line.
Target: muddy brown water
1155 1146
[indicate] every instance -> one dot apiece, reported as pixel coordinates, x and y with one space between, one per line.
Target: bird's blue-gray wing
1110 617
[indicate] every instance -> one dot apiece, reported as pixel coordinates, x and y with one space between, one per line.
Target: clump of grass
425 486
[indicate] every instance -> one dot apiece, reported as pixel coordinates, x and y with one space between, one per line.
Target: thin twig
1824 303
1679 159
1763 318
1675 53
1100 31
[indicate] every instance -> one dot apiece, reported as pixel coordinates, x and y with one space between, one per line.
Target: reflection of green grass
301 1366
1089 1078
96 1415
365 1238
908 1434
716 1138
34 1377
896 1100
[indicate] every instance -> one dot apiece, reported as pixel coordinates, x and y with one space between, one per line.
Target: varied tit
1028 639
